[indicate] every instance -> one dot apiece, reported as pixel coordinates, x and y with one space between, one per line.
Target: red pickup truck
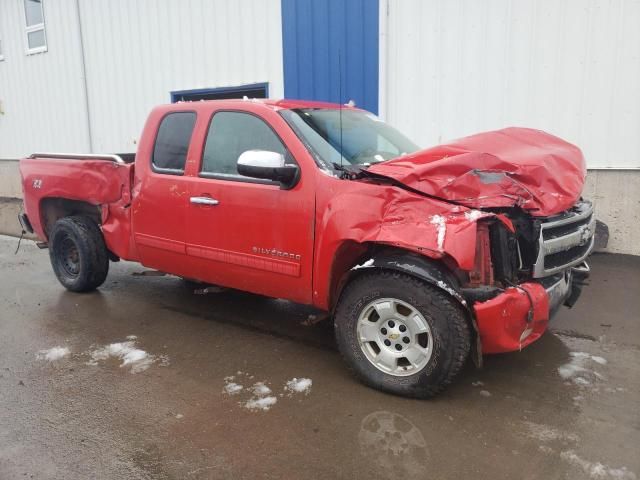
423 257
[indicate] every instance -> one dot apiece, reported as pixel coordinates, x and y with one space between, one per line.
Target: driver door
248 233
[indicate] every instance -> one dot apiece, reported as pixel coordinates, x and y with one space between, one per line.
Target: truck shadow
147 298
309 326
282 318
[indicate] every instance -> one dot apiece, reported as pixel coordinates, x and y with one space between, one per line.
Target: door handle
204 201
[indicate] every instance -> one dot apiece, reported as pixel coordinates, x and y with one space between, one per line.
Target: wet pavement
137 388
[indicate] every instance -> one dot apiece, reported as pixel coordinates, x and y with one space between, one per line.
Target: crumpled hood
521 167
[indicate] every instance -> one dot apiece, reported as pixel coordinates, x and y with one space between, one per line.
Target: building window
36 41
254 90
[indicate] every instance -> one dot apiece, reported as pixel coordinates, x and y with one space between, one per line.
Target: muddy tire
78 253
400 334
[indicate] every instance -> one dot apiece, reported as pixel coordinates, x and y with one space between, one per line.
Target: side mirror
268 165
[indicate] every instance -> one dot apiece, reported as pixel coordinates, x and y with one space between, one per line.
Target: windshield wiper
348 172
339 167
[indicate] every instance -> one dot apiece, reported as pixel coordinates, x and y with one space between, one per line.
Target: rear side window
233 133
172 142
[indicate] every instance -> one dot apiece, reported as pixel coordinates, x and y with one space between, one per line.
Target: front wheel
78 253
400 334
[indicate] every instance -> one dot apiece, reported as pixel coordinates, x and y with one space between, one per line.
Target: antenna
340 100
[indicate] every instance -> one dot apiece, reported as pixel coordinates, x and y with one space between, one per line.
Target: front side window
172 142
347 137
35 31
230 135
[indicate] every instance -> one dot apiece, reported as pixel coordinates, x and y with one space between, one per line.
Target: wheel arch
53 209
353 260
371 257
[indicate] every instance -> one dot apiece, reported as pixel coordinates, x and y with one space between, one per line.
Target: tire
436 327
78 253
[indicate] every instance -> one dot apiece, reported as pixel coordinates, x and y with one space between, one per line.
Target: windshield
365 139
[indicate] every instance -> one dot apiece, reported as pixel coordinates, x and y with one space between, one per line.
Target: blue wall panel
314 34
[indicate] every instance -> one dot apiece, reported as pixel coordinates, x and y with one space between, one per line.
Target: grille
562 259
563 230
565 240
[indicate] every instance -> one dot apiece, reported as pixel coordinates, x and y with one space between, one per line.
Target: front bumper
519 315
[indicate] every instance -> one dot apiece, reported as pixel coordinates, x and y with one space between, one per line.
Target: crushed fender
513 167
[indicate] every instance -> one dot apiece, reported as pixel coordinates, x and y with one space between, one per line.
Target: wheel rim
69 256
394 336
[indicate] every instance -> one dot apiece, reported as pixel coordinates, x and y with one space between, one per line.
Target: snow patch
546 433
477 384
261 403
261 400
260 396
232 388
128 353
473 215
260 388
581 381
485 393
440 222
597 469
53 354
299 385
366 264
450 290
576 370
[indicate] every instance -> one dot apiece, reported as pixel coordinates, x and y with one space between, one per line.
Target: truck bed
85 180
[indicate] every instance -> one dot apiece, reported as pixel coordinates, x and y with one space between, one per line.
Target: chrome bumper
564 288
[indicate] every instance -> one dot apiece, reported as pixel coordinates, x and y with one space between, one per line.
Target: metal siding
571 67
138 52
42 94
313 32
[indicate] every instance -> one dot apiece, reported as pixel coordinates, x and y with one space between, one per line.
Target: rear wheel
78 253
400 334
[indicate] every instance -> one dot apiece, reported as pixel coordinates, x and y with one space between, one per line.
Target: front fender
371 214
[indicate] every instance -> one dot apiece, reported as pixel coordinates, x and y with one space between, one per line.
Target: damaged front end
525 270
501 211
533 236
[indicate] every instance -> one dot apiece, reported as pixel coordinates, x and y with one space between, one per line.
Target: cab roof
283 104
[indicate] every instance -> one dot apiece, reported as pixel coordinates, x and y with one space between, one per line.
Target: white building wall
570 67
41 95
137 52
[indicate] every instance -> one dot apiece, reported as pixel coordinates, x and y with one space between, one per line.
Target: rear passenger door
159 208
248 233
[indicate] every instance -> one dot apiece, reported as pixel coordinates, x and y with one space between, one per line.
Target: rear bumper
25 223
519 315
